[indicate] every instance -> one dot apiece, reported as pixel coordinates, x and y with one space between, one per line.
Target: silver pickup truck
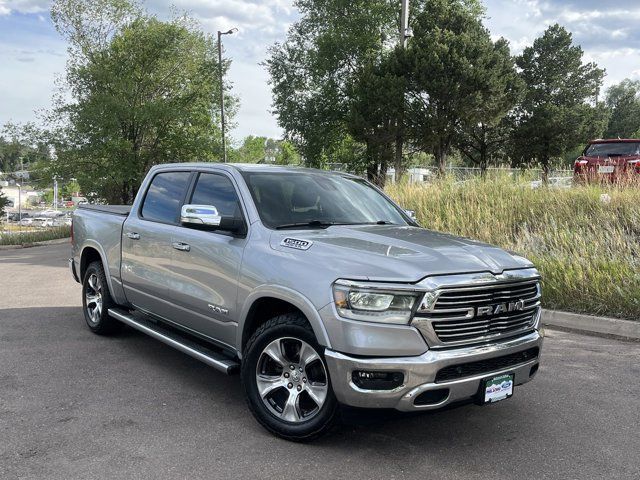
315 286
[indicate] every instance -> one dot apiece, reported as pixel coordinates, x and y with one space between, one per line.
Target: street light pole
222 119
55 193
19 206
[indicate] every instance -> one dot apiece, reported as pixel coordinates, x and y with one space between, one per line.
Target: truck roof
250 167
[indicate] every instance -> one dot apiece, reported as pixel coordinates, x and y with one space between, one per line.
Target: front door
204 281
146 242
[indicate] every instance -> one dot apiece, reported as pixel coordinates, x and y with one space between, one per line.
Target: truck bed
122 210
101 226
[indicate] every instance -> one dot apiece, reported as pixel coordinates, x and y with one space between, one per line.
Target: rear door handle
133 235
181 246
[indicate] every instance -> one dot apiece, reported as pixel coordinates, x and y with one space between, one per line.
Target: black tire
94 285
289 328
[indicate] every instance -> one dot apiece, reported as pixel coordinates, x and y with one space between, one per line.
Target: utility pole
222 120
405 31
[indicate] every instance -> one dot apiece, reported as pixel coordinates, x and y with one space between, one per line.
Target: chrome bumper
420 374
72 268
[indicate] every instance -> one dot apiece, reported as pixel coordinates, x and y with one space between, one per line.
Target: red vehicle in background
609 160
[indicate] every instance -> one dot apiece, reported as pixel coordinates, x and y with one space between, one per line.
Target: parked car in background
26 222
608 159
62 222
15 216
52 213
42 222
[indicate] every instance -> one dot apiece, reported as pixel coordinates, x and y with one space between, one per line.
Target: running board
177 341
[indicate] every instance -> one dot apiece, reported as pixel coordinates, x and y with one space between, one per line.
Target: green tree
486 143
313 70
375 113
22 147
71 188
287 154
623 101
486 137
252 150
556 113
459 77
142 92
4 201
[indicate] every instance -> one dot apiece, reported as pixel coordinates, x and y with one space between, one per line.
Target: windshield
613 149
314 199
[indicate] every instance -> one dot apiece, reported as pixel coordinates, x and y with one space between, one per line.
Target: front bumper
420 374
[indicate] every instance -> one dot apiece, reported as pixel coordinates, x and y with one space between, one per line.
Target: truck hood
392 253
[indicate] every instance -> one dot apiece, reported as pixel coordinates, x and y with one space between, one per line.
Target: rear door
203 285
146 241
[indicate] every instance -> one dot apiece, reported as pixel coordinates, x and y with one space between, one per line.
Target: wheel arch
89 255
268 301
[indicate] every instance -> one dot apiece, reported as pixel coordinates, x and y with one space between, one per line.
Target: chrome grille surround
449 316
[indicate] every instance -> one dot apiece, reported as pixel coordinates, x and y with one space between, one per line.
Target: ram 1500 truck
315 286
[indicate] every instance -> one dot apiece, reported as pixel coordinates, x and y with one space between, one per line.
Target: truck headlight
374 304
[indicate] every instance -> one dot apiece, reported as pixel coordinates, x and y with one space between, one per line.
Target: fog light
370 380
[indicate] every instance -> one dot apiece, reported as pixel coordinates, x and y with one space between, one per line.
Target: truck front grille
471 314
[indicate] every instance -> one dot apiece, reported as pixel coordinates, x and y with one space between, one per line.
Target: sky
33 55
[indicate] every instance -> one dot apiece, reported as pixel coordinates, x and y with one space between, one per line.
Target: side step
177 341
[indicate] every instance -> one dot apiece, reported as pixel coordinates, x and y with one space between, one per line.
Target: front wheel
286 381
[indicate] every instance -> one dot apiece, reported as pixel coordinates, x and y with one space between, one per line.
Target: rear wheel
96 301
286 381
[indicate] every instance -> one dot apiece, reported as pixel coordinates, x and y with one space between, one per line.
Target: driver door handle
133 235
181 246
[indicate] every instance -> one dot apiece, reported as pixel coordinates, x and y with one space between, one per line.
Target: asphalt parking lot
77 406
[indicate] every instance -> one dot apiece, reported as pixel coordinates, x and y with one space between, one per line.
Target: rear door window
164 197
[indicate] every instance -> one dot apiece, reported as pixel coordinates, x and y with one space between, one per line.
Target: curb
57 241
601 326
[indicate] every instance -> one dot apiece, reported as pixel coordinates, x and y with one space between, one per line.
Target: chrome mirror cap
200 215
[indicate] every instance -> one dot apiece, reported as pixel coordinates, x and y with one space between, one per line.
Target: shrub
26 238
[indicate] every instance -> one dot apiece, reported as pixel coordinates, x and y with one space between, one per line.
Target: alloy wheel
93 298
292 380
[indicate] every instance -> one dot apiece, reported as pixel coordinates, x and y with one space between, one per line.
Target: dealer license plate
498 388
605 169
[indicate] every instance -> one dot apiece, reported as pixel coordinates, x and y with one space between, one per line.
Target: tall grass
587 248
29 237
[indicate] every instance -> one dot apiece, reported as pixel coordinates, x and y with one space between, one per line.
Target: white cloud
610 37
23 6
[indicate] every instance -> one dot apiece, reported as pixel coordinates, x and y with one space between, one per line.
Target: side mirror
206 217
200 215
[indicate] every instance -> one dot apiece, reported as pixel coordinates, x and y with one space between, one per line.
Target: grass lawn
586 248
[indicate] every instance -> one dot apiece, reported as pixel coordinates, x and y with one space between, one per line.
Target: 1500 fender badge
296 243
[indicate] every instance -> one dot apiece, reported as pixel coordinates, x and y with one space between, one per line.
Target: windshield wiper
311 224
379 222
